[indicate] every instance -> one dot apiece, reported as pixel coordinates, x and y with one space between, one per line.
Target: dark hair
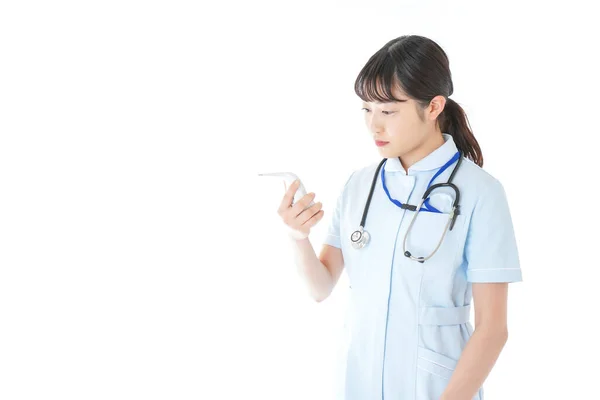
420 68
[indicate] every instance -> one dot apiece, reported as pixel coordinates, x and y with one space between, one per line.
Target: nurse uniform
408 322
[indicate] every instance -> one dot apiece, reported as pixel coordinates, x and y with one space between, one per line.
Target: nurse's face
399 128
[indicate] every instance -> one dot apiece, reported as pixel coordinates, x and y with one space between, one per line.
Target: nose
374 125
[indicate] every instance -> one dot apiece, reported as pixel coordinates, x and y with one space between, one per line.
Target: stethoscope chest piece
360 238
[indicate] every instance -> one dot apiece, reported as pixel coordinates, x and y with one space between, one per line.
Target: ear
436 106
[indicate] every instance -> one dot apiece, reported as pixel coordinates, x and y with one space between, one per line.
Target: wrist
295 235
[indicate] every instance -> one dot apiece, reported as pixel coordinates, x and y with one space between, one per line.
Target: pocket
441 201
434 371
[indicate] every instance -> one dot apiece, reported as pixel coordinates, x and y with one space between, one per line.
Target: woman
410 297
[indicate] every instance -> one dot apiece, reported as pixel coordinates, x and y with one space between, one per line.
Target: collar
433 160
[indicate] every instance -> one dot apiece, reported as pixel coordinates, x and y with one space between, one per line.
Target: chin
385 152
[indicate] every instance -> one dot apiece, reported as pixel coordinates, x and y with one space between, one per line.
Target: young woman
419 234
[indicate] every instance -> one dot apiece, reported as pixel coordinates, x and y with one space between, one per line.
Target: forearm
476 362
316 276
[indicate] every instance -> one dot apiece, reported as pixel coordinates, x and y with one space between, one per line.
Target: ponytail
454 121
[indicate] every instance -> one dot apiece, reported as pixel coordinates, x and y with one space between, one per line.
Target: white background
142 258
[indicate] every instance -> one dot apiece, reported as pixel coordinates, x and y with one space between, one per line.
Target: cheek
407 125
397 127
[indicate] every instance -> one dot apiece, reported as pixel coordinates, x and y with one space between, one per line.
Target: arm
486 343
319 273
492 262
322 273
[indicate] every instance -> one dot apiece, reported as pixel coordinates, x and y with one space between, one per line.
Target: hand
297 221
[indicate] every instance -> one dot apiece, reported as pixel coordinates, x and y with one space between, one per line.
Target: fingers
299 217
288 198
309 213
302 203
314 219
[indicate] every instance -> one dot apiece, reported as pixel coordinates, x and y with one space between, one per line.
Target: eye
384 112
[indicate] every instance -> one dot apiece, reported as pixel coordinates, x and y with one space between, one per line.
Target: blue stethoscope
360 237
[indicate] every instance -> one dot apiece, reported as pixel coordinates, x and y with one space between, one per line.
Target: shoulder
482 194
359 176
478 180
356 181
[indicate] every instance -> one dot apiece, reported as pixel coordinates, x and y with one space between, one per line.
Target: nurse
411 295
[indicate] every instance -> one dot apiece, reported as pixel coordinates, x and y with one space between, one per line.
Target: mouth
380 143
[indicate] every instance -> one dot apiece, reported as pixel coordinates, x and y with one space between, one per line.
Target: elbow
501 336
505 336
320 294
500 332
320 298
495 334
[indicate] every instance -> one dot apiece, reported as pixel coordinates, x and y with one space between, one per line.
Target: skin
412 132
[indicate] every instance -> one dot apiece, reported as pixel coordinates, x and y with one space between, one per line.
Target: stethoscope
361 237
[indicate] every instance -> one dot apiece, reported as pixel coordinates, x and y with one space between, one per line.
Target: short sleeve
333 231
491 250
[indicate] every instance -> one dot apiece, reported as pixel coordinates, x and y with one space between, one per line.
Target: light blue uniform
408 322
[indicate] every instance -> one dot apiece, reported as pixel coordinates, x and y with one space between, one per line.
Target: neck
434 141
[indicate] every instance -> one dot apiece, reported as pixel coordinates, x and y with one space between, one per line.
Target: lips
380 143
